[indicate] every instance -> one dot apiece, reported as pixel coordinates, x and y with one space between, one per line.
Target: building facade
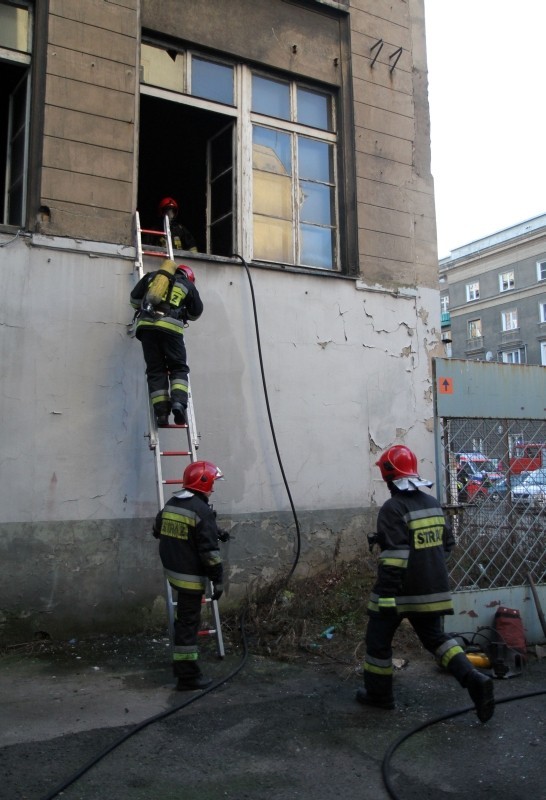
493 296
294 135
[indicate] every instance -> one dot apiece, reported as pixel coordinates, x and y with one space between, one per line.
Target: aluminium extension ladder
168 448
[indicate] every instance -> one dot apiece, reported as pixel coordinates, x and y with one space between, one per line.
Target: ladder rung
153 253
171 481
207 633
175 453
154 232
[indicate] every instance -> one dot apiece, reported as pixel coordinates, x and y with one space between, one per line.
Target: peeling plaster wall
347 372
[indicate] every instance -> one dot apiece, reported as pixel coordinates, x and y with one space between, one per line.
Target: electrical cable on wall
264 384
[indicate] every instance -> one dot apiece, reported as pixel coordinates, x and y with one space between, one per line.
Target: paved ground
272 732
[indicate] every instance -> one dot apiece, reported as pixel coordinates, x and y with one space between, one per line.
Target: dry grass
289 621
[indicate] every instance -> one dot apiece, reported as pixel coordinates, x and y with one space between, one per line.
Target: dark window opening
186 153
13 121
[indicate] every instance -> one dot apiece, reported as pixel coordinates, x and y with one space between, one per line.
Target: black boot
480 689
192 684
179 413
385 701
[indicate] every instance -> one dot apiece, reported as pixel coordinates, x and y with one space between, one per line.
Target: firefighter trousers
166 368
186 627
378 669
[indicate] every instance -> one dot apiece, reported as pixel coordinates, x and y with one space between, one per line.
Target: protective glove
218 592
387 606
155 533
223 535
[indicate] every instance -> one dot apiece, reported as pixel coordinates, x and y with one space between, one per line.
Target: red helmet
188 272
397 462
200 476
165 205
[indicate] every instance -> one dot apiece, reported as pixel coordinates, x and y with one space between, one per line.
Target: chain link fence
494 473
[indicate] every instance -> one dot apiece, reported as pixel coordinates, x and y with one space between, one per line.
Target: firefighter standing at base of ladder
189 551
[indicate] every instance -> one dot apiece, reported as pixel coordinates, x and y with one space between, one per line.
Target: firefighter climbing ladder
165 449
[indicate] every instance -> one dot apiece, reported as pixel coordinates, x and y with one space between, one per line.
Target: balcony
474 344
511 337
445 318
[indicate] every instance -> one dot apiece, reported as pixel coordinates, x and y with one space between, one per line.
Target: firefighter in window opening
181 238
189 551
412 581
164 301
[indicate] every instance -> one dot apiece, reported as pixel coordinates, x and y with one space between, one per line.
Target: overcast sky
487 92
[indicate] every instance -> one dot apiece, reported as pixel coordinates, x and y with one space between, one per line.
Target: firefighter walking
412 582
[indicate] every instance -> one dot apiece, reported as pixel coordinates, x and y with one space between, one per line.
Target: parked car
532 491
479 466
499 488
475 475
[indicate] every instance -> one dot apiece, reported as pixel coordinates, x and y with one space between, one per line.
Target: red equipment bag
509 626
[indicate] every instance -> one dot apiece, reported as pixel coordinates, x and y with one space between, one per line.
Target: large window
250 157
15 49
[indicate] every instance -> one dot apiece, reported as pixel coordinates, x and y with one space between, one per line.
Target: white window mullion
295 200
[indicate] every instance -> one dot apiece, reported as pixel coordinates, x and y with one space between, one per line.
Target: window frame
472 288
510 314
472 326
504 278
542 311
244 118
517 356
541 270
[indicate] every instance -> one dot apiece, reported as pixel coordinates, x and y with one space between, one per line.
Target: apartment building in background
493 296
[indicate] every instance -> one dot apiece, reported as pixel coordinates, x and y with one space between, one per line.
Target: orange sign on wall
445 385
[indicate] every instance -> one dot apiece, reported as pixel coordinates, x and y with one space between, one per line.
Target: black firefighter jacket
188 542
180 304
414 538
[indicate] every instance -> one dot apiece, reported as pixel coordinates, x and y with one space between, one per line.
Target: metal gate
490 436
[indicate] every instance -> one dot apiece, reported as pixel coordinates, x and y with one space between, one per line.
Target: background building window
510 320
474 328
444 303
506 281
472 291
541 270
511 357
542 311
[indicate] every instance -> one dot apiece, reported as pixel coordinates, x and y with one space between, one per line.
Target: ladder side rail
168 238
193 437
216 620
